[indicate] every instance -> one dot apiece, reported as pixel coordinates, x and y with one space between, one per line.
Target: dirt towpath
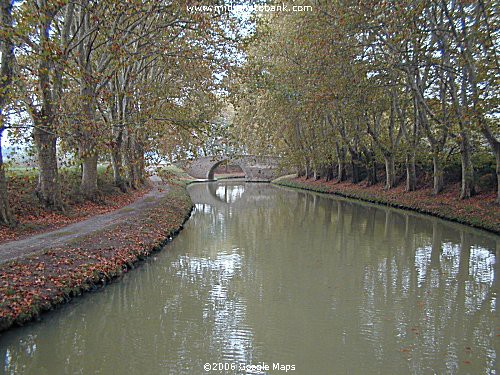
27 246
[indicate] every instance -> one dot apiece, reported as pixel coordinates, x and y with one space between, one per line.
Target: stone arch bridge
256 168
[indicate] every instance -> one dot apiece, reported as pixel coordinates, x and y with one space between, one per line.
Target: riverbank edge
293 182
25 302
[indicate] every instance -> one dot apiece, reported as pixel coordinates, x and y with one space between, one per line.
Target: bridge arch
211 172
255 168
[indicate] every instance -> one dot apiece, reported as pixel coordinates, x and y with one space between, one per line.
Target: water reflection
262 274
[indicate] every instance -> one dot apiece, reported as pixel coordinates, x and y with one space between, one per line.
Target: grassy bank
43 281
479 211
33 218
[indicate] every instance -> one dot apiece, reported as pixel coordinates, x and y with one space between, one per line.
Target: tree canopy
110 80
353 85
340 89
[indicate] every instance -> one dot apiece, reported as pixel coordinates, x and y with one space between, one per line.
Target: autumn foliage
40 282
32 217
355 88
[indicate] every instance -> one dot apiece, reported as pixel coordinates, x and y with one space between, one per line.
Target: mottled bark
88 185
356 169
87 135
87 147
48 189
371 166
412 136
342 172
390 171
141 163
438 174
45 139
116 163
468 188
341 164
411 174
130 161
6 216
307 171
6 73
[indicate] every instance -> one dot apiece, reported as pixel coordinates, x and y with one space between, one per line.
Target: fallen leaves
33 218
31 285
479 211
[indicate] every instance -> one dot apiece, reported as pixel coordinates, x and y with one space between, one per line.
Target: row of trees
355 84
106 79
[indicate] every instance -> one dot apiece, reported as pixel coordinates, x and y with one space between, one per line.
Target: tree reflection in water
264 274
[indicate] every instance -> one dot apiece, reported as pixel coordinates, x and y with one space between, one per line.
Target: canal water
264 279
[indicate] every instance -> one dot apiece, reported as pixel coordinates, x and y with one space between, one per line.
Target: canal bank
479 212
51 276
265 275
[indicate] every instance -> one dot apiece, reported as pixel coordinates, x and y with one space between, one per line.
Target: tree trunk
342 174
116 158
130 171
356 173
134 161
371 169
497 157
141 163
315 171
307 170
329 173
467 189
495 148
411 174
390 172
116 162
341 153
49 187
371 166
88 184
438 174
139 175
6 216
6 73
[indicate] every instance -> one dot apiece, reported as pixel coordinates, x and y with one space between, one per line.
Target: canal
263 276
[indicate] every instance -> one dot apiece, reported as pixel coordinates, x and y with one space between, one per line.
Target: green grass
174 175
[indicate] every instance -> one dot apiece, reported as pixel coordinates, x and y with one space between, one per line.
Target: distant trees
107 80
375 83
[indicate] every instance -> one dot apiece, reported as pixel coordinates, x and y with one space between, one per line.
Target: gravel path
24 247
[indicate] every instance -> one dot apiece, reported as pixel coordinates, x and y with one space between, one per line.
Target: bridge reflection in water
264 274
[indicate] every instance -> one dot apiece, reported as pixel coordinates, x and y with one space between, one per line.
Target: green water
262 275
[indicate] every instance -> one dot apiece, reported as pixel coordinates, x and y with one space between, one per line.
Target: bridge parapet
256 168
